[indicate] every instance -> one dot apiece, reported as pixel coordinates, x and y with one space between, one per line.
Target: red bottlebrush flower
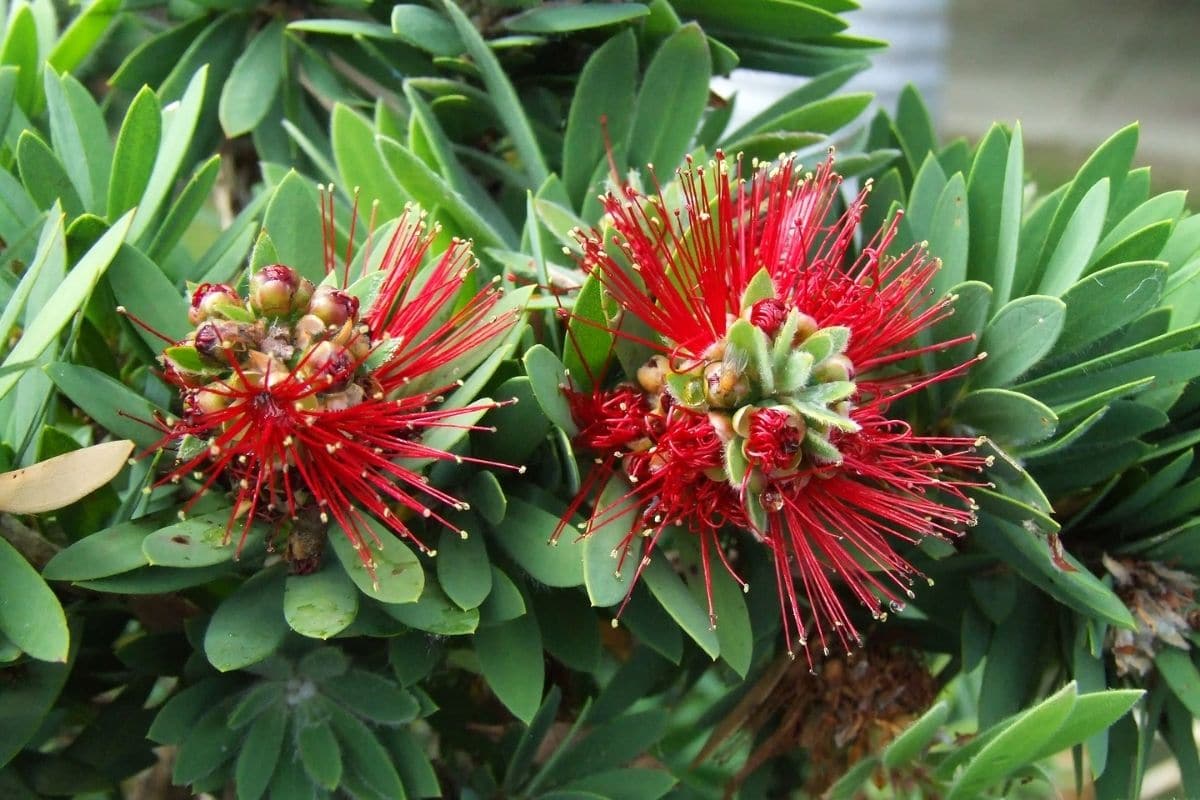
776 358
310 408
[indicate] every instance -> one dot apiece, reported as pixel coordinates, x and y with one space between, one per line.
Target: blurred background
1071 71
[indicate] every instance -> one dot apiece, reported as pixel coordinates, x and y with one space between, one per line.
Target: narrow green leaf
1073 252
178 126
28 698
1091 312
424 28
603 96
1030 555
360 163
679 70
570 18
670 591
321 755
20 49
108 552
1011 213
250 89
44 176
259 753
183 212
68 298
1180 673
293 221
135 152
80 138
500 90
909 744
83 35
1016 745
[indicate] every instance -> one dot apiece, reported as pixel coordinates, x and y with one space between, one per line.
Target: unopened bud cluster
777 389
286 333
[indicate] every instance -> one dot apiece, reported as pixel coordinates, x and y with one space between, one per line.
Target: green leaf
68 297
1180 673
985 194
134 156
547 378
567 18
83 35
431 190
20 48
680 70
610 744
1166 207
248 626
588 342
674 596
765 19
1029 554
320 605
178 126
293 221
914 127
1008 240
44 176
321 755
1111 160
191 200
631 783
1018 336
602 545
1146 243
1008 417
30 614
194 542
1015 746
52 252
364 756
110 404
27 698
525 536
909 744
510 656
80 138
1073 251
360 163
463 568
508 105
435 613
372 697
735 638
1092 713
849 786
424 28
259 753
251 87
398 575
1091 312
824 116
949 235
109 552
811 91
504 602
604 95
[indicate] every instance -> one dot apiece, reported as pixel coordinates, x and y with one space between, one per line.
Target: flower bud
835 368
806 328
769 315
333 306
307 330
209 400
272 289
208 300
724 386
653 374
303 295
209 339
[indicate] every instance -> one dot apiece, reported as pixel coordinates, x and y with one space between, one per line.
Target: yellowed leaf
60 481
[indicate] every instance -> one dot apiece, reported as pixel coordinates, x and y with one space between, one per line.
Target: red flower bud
208 299
272 290
333 306
769 315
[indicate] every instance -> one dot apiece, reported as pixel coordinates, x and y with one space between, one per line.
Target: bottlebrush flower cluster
764 404
308 400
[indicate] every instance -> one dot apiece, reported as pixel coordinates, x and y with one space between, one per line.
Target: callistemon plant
764 405
309 402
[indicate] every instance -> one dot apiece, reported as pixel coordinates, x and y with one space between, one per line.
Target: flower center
778 389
